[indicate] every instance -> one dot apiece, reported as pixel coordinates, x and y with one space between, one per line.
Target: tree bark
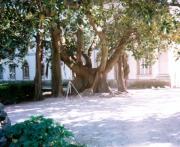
95 83
126 68
80 44
38 76
120 76
100 83
119 49
57 89
122 72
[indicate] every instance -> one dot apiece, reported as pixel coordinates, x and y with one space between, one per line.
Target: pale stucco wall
165 68
30 58
160 69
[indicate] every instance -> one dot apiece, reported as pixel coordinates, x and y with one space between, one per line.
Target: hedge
15 92
142 84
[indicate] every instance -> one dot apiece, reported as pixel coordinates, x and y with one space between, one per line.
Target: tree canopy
143 27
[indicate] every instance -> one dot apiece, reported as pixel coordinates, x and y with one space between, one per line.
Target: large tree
14 31
21 24
138 26
109 27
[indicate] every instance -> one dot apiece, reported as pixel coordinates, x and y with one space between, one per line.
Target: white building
165 68
25 70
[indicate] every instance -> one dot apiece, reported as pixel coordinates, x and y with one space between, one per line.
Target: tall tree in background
122 72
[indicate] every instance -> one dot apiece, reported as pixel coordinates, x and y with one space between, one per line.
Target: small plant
40 132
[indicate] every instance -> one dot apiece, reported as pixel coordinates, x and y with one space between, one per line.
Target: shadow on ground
145 132
139 120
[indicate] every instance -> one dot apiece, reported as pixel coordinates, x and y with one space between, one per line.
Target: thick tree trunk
126 68
57 89
98 85
98 82
81 83
80 44
38 76
122 72
101 85
120 76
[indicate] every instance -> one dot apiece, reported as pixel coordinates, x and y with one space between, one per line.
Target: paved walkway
143 118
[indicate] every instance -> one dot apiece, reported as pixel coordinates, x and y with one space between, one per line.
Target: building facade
166 68
24 70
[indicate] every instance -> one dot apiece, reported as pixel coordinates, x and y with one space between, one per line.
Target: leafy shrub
18 91
39 132
14 92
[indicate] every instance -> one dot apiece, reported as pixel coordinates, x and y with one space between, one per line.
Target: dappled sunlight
143 118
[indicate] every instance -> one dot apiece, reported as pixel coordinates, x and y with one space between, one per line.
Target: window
1 72
12 71
25 69
143 69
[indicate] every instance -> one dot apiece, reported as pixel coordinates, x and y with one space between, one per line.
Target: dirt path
143 118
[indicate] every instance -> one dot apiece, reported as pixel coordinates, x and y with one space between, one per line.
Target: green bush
15 92
39 132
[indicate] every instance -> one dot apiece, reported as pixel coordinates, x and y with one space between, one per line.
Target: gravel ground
141 118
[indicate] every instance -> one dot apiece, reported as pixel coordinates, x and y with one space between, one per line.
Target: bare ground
141 118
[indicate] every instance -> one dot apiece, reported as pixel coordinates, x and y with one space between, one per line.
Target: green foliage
40 132
15 30
15 92
155 27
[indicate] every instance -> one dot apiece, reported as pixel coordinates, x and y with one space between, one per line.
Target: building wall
174 65
165 68
160 70
30 59
132 66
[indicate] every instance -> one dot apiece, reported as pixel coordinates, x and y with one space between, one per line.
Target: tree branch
119 49
102 37
75 67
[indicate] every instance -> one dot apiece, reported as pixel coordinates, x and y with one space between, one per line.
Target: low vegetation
141 84
40 132
15 92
